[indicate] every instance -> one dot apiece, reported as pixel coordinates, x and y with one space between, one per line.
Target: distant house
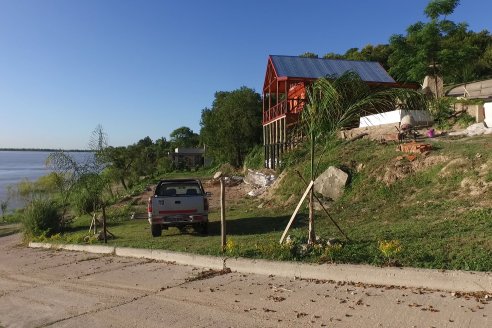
284 94
472 90
187 158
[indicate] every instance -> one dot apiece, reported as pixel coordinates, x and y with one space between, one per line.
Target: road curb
96 249
168 256
462 281
459 281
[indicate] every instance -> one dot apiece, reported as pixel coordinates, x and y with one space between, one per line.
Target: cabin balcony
289 108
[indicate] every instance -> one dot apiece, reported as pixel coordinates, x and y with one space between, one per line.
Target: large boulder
331 183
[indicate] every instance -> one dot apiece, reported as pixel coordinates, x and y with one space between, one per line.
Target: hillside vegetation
433 212
439 206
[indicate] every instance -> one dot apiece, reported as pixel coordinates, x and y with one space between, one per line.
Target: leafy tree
119 161
85 182
145 142
309 55
334 104
184 137
232 127
438 47
332 55
144 158
4 203
378 53
353 54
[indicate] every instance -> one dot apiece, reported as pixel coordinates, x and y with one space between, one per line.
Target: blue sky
143 68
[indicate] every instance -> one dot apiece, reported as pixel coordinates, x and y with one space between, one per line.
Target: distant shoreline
47 150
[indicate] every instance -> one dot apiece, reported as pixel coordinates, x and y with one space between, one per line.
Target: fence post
222 215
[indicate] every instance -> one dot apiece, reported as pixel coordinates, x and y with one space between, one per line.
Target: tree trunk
223 232
105 234
122 180
312 235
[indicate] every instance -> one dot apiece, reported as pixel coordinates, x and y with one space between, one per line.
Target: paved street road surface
48 288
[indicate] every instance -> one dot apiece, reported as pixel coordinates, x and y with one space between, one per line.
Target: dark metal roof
314 68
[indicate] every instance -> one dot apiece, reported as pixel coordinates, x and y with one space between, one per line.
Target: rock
333 242
331 183
319 208
456 165
256 192
100 235
236 180
407 120
473 130
259 179
474 187
217 175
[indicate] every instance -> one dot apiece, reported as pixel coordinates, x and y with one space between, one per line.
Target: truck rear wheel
156 230
201 228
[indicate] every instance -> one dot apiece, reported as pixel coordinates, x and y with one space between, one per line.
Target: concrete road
47 288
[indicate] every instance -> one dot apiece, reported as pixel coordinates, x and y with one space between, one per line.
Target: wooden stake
308 189
105 234
222 215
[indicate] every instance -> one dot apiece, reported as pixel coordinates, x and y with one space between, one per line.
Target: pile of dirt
233 194
399 169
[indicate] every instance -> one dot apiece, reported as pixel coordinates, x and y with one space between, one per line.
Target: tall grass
41 217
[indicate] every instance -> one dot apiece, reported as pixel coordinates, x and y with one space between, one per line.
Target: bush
465 120
82 202
256 158
41 217
441 110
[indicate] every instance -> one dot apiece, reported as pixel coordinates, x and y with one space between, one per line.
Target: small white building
419 117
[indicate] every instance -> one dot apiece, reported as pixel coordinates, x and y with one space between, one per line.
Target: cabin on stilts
284 95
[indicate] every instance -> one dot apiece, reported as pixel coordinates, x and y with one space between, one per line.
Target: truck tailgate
169 206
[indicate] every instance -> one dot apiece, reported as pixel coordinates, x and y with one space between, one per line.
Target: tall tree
184 137
232 126
437 47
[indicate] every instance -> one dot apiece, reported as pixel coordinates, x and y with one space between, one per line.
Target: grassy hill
439 206
432 212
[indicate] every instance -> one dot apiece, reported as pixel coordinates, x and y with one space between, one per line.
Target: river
16 166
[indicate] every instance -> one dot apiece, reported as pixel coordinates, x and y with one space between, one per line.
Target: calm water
18 165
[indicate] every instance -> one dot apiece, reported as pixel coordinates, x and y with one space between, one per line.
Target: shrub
164 165
82 202
390 249
465 120
441 110
41 217
255 158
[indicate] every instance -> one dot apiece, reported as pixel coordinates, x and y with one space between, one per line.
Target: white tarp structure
487 107
420 118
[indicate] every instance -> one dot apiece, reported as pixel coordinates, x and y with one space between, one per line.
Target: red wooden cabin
284 95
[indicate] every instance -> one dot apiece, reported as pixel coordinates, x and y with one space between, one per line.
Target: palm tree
336 103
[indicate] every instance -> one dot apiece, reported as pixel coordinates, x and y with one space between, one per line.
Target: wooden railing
283 108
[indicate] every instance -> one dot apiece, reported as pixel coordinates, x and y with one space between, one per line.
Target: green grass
438 224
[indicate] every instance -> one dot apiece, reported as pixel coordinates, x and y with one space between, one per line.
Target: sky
146 67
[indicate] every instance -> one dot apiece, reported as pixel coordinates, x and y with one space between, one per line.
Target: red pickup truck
178 203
